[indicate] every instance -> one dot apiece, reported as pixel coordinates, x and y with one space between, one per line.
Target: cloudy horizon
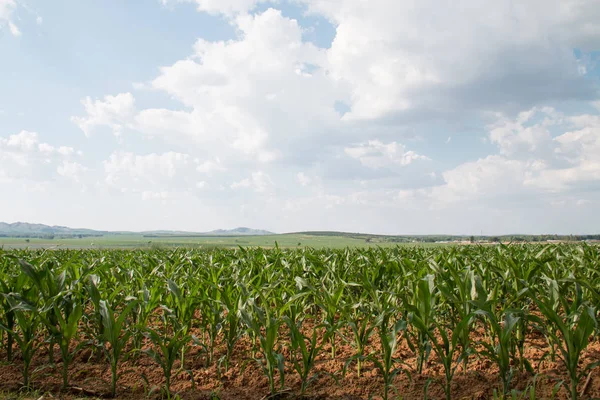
379 116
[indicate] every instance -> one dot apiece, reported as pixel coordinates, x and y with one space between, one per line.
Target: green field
141 241
503 322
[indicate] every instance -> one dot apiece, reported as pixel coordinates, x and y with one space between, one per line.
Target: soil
245 380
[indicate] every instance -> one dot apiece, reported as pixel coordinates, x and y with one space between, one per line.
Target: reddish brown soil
245 379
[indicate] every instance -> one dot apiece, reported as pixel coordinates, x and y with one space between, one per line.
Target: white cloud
71 170
522 138
228 89
490 55
492 176
303 179
23 157
150 195
210 166
530 164
113 111
225 7
376 154
24 141
259 181
123 169
39 20
14 30
7 8
270 102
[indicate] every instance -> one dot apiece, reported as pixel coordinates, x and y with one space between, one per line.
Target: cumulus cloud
531 161
210 166
375 154
154 175
489 56
303 179
269 101
258 181
124 168
224 7
244 98
71 170
24 157
114 112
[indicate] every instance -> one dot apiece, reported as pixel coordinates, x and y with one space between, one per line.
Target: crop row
159 303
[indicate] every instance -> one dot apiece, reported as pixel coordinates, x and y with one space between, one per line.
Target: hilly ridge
25 229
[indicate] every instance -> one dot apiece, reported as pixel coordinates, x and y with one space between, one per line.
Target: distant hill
239 231
27 230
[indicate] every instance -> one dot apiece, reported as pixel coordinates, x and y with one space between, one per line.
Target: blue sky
382 116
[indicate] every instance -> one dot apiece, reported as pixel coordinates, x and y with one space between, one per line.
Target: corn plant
304 350
116 335
362 326
231 302
50 284
68 313
149 299
387 364
168 345
330 300
263 323
455 283
421 306
499 349
570 333
448 346
27 323
212 317
10 282
182 303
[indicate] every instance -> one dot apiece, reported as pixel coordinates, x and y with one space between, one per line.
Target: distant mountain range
24 229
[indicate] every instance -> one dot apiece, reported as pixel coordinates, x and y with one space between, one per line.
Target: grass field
140 241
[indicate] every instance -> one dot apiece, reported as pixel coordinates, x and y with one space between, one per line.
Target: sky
380 116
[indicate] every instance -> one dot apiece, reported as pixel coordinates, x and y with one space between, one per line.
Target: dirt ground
142 378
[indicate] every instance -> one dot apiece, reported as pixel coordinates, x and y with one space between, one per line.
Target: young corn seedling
387 364
455 283
212 317
116 335
331 302
570 333
149 300
50 285
231 302
68 313
264 324
182 303
27 321
447 346
422 306
305 350
9 283
362 327
168 345
500 347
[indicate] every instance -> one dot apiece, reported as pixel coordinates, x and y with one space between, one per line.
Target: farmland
126 241
444 322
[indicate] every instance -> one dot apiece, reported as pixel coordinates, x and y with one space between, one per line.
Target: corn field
503 322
